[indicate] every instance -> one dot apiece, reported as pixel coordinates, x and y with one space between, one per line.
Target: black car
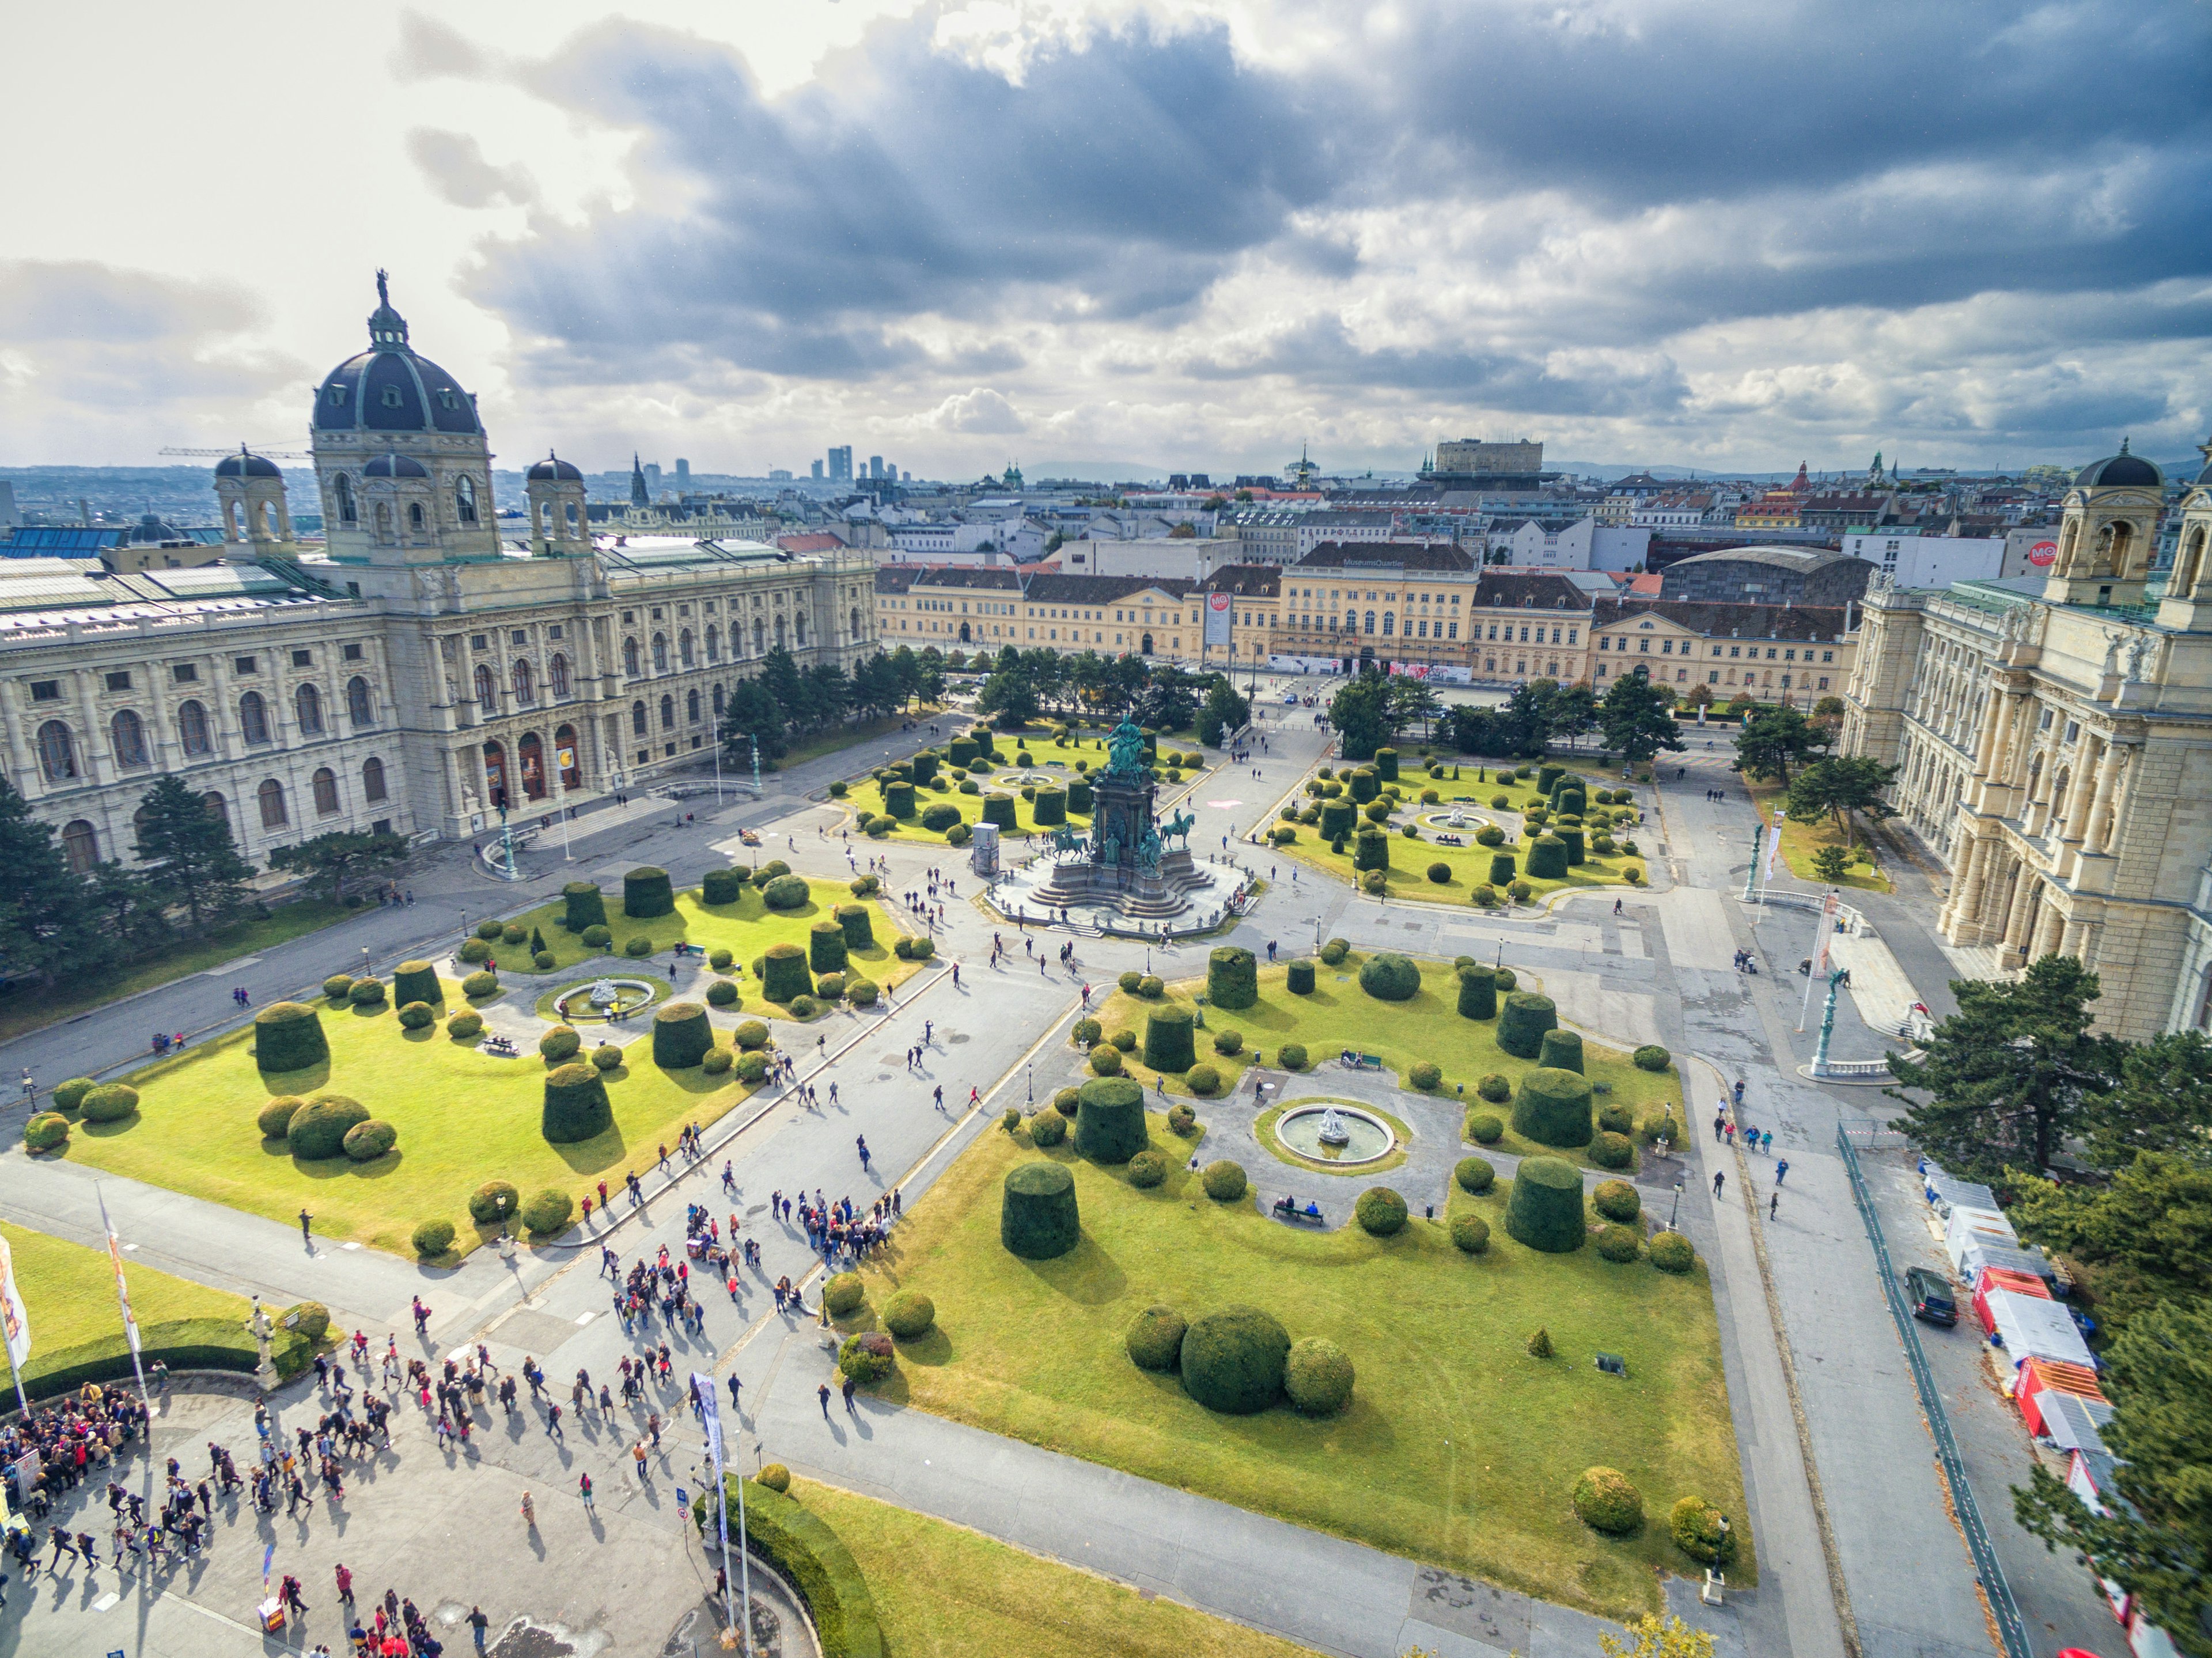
1932 1297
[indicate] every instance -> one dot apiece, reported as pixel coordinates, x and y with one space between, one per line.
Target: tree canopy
1842 790
1774 739
1637 718
187 856
340 856
2142 1239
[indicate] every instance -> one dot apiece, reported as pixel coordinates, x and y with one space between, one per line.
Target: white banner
1434 673
1773 847
1828 932
1220 612
15 1322
1303 665
122 1290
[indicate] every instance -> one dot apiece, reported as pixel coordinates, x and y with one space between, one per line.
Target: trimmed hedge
1617 1200
858 924
1618 1243
681 1036
1545 1208
825 947
647 893
722 992
1477 993
462 1027
1390 977
577 1105
1318 1377
1605 1501
318 1129
1109 1118
1651 1057
1233 1360
109 1102
1224 1181
289 1036
1672 1252
432 1238
783 973
47 1130
560 1043
547 1214
1037 1215
479 984
1701 1532
1048 1128
1475 1175
1381 1212
1147 1169
191 1344
1552 1108
1169 1043
722 886
808 1552
365 1142
415 981
909 1314
786 891
1521 1026
1154 1339
1611 1150
843 1293
1561 1050
1471 1233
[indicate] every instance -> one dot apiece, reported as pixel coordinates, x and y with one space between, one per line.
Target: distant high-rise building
9 516
639 494
817 471
875 466
653 478
841 463
683 473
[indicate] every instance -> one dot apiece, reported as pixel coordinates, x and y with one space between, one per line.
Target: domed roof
395 466
553 470
2119 470
390 387
246 464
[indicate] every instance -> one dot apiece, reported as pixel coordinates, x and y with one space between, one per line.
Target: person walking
736 1387
860 1142
1782 1171
823 1393
530 1508
583 1490
306 1237
1719 1178
1773 1204
345 1583
477 1623
850 1388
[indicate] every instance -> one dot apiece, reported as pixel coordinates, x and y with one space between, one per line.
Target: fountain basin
605 997
1334 1131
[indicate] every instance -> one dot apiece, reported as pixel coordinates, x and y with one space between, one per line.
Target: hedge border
804 1548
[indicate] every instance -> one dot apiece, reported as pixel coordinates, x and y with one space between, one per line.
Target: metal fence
1988 1573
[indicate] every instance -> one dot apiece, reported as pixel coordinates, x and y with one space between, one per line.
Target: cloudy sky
1722 233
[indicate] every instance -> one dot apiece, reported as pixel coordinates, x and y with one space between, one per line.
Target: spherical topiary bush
722 994
1490 835
513 932
1615 1119
1224 1181
1048 1128
606 1057
803 1007
1617 1200
1154 1339
490 930
1169 1044
1470 1233
69 1096
787 892
783 973
1202 1080
1233 1360
1335 951
1548 859
1671 1252
1506 980
1228 1041
478 985
1232 977
1426 1076
1390 977
367 993
1292 1056
861 993
1106 1059
1485 1127
1613 1152
547 1214
718 1060
583 905
560 1043
1381 1212
640 947
339 986
1552 1108
1440 873
417 1015
1318 1376
1605 1501
432 1238
1038 1215
1544 1210
1652 1057
773 1478
843 1293
1147 1169
647 893
1109 1118
319 1127
1702 1532
749 1067
597 937
1618 1243
365 1142
47 1131
1475 1175
464 1027
577 1105
1522 1025
1152 987
275 1119
289 1036
1181 1119
109 1102
909 1314
750 1035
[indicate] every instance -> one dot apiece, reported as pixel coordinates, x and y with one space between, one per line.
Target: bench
1285 1212
1354 1061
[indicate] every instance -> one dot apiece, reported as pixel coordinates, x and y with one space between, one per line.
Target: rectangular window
1789 656
1823 682
352 652
1713 678
1574 635
1643 645
1827 656
187 673
243 665
517 636
1666 647
45 690
120 682
303 658
1455 630
1770 652
1735 650
483 641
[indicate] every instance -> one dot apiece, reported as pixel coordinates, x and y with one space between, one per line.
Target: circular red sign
2043 553
1217 601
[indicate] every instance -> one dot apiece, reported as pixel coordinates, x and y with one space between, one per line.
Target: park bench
1353 1060
1285 1209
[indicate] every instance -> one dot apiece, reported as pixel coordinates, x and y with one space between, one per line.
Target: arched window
856 624
637 724
713 643
487 686
559 676
1390 624
326 791
531 753
691 706
495 765
2189 569
566 757
218 807
254 717
779 632
270 795
130 734
415 516
193 729
309 702
718 702
668 713
372 779
384 521
629 658
684 647
798 628
525 686
361 707
341 488
660 653
759 637
465 498
80 846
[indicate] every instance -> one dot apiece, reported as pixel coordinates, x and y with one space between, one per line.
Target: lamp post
1675 1212
1751 876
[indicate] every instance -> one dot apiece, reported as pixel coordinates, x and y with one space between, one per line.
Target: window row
522 680
80 839
639 715
349 504
687 649
126 729
528 767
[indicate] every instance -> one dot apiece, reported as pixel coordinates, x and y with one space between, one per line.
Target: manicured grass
942 1591
814 748
1800 841
869 798
1264 1130
1049 759
464 1117
28 1008
1457 1447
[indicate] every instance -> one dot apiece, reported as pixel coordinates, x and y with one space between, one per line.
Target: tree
129 910
1832 864
751 715
1407 699
1224 710
876 688
2155 1540
42 903
1358 713
1651 1637
1842 790
1169 702
786 685
2009 1076
2142 1240
339 856
186 851
1637 718
1572 709
1828 707
1774 739
1009 697
2163 1103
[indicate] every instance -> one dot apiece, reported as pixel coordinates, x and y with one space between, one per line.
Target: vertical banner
14 1325
1220 610
122 1290
710 1418
1828 932
1773 847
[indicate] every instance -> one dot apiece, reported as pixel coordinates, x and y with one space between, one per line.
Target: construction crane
266 452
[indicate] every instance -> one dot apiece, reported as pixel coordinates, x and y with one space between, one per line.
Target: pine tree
42 904
537 942
192 862
1539 1345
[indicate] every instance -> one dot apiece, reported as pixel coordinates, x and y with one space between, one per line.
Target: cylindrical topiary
1501 869
1038 1215
681 1036
1363 784
1381 1212
289 1036
1544 1210
1471 1233
825 947
1477 993
647 893
923 764
365 1142
1232 977
1547 778
1081 798
1233 1360
319 1127
1225 1180
787 892
1386 765
898 798
999 809
1050 807
577 1105
721 886
783 973
1370 850
1570 837
1318 1377
1552 1108
857 921
415 981
1605 1501
1561 1050
560 1043
1390 977
1169 1045
1521 1026
583 905
1109 1118
1299 978
1548 859
1339 818
1154 1339
1475 1175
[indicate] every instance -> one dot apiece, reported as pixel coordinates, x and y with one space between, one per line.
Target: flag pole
16 1326
123 1301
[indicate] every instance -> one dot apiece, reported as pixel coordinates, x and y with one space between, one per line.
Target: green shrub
1477 993
1106 1060
1318 1377
1154 1339
1495 1089
319 1127
825 947
1485 1127
1109 1120
417 1015
1363 784
857 923
1048 1128
339 986
275 1119
1661 1125
861 993
750 1035
70 1095
479 984
1548 859
1148 1169
1390 977
47 1130
717 1060
1570 837
542 962
1552 1108
1616 1119
783 973
1470 1232
490 930
1381 1212
1202 1080
843 1293
606 1057
1520 892
1616 1199
289 1036
898 799
1169 1043
639 947
1618 1243
1292 1056
1037 1215
1605 1501
1228 1042
775 1476
548 1213
1521 1026
560 1043
1425 1076
465 1026
1440 873
909 1314
1152 987
1613 1152
1233 1360
1475 1175
1561 1050
582 906
867 1357
1702 1532
803 1007
1544 1210
513 932
1370 852
720 959
365 1142
722 886
1652 1057
999 809
787 892
1232 978
749 1067
722 994
1671 1252
1224 1181
1539 1345
647 893
432 1238
681 1036
1335 951
597 937
576 1106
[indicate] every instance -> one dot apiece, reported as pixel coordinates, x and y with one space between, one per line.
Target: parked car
1933 1300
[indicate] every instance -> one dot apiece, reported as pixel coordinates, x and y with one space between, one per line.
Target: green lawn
26 1007
942 1591
1457 1447
1048 757
1800 841
869 798
745 929
464 1117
